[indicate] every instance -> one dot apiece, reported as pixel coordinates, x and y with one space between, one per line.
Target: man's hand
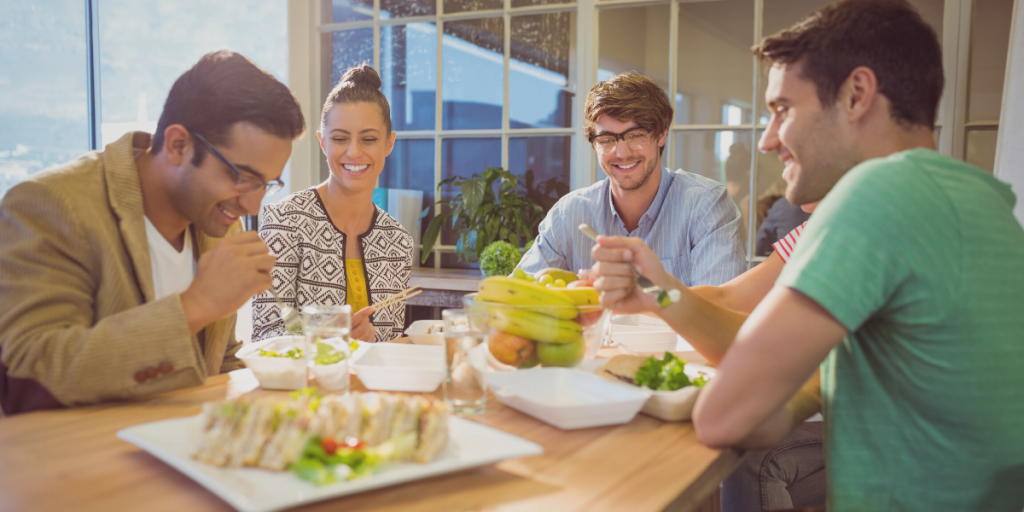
362 329
237 268
616 282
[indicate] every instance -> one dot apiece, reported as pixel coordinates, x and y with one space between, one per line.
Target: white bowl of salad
280 363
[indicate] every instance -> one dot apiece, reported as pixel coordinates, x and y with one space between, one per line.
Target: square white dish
255 490
566 398
417 332
276 372
399 367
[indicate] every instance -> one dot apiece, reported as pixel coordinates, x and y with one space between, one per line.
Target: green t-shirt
920 257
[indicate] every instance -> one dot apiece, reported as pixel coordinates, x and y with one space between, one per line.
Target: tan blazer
78 323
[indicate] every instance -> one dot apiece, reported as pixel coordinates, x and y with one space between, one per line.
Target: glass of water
327 330
465 385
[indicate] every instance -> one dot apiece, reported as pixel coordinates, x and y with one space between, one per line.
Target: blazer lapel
125 192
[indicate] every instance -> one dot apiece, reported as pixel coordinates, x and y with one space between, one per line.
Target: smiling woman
333 245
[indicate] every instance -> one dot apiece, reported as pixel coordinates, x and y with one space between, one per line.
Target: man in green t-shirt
908 281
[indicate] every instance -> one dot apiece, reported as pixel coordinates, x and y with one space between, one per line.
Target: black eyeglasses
635 138
244 182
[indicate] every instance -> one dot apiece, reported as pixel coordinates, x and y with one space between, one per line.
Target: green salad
666 375
325 354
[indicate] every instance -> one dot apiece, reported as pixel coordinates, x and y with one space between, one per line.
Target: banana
535 326
517 292
581 296
557 273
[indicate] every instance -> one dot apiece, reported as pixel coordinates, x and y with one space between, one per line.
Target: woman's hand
616 282
362 329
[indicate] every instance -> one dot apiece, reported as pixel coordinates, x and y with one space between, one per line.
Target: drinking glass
327 330
465 385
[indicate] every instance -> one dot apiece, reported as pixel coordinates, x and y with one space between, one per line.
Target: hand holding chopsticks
398 297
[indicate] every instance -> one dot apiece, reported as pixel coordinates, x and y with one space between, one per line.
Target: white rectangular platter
470 444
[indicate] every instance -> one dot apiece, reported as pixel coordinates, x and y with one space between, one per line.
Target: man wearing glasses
688 220
120 272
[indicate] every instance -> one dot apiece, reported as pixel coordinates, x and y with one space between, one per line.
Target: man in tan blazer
92 310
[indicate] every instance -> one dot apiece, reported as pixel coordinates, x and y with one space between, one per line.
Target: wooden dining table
71 459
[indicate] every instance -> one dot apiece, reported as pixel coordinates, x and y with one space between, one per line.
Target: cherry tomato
329 445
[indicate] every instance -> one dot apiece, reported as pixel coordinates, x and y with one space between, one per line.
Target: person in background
689 220
782 218
333 245
121 271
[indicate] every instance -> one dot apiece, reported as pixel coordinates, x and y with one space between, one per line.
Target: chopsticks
398 297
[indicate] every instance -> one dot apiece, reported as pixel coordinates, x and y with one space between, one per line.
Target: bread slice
622 368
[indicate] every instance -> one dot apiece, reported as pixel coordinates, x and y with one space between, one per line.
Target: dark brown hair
628 97
359 84
222 89
887 36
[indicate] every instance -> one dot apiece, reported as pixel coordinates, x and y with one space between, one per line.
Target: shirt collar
659 198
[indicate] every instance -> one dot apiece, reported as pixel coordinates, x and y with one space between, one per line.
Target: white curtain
1010 147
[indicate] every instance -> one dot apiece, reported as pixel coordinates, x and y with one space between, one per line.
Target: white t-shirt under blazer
173 270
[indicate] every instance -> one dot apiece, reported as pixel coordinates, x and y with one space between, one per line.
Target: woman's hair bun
361 74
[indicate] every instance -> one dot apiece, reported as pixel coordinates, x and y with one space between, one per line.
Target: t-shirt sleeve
787 244
851 257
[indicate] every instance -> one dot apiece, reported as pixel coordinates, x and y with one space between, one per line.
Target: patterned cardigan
310 269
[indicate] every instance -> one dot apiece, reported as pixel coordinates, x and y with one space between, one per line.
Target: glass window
351 10
451 6
43 117
981 148
990 40
528 3
408 57
407 8
473 87
539 71
634 39
464 157
350 48
546 159
722 71
411 166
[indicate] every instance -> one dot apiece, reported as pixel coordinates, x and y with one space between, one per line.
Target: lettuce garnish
665 375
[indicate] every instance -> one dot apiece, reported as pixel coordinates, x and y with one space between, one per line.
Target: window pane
351 10
781 14
715 66
990 40
634 39
407 8
411 166
464 157
143 50
981 148
451 6
473 74
722 156
539 71
408 57
547 158
43 119
528 3
350 48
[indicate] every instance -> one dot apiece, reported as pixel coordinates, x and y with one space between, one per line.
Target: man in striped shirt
689 221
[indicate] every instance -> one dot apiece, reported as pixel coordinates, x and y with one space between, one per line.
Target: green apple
561 354
530 362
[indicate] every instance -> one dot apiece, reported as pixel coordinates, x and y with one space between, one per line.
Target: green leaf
430 236
472 193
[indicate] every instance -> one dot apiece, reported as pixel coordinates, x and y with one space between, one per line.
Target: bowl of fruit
538 320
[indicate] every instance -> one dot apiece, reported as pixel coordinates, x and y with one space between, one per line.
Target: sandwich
622 368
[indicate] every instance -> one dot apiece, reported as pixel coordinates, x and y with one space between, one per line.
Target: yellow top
356 295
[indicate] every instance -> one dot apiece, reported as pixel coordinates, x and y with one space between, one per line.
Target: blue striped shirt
692 225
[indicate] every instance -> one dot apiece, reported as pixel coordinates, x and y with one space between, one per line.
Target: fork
645 285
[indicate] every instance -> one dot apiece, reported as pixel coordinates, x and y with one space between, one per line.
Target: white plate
399 367
568 399
256 490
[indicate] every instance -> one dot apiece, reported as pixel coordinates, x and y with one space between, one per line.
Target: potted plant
489 208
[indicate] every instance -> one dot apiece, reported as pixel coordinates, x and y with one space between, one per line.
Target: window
47 83
471 84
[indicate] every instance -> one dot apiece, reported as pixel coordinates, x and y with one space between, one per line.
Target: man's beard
652 165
